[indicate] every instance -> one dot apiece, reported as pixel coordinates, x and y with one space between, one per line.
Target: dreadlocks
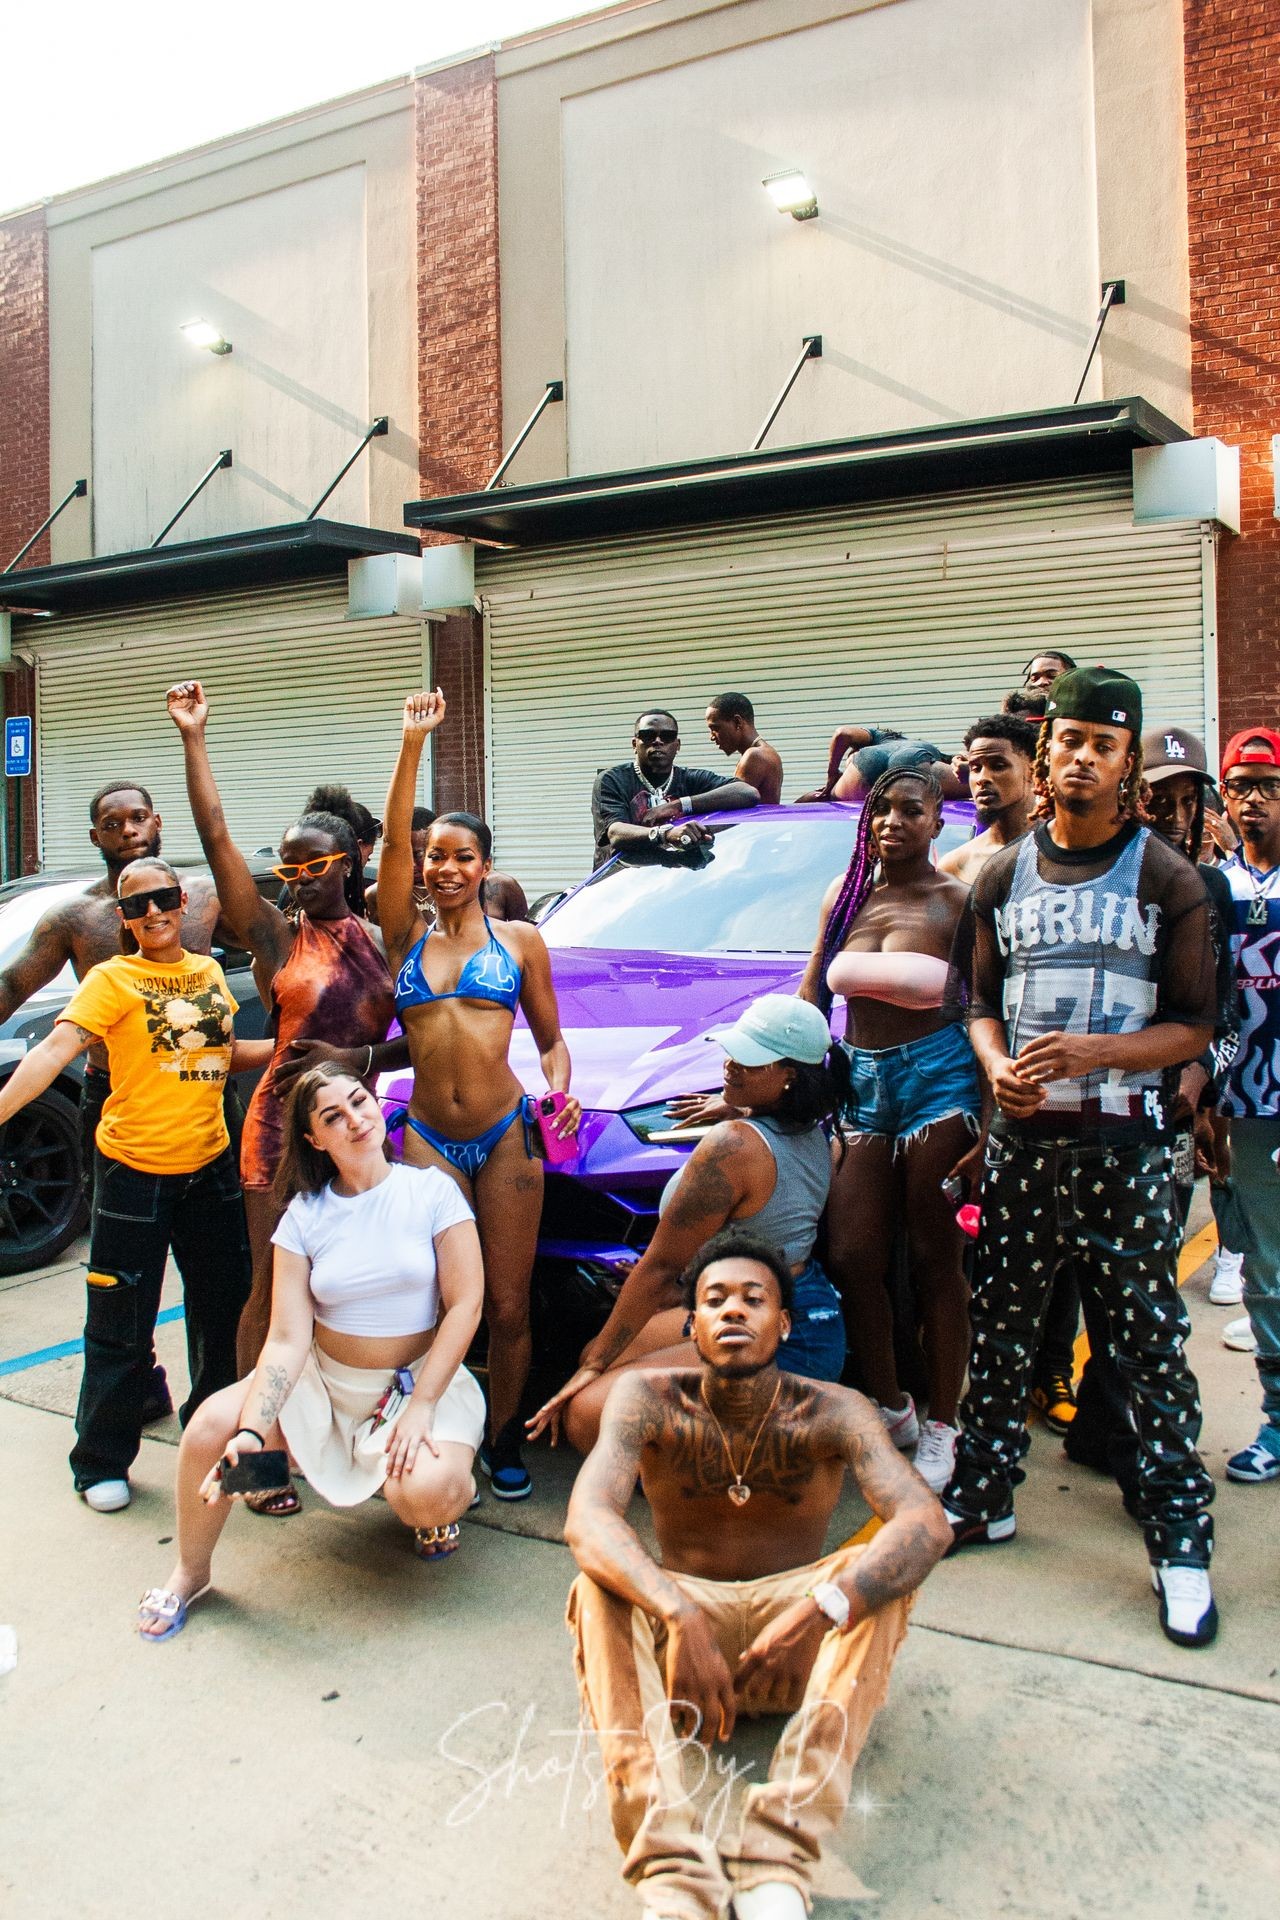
1129 800
861 871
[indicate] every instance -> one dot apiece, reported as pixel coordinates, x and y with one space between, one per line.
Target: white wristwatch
832 1601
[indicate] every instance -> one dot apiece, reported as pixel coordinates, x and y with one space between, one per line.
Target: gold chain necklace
739 1492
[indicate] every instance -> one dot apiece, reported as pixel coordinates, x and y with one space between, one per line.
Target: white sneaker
1226 1288
902 1424
935 1459
106 1496
774 1900
1239 1336
1187 1612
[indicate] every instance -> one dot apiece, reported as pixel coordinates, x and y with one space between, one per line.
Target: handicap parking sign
17 745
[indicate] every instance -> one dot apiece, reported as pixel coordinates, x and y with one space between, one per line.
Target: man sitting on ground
731 722
742 1466
649 798
1001 754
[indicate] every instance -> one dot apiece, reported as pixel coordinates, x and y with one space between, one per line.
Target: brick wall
459 370
1232 50
457 666
459 363
24 384
24 461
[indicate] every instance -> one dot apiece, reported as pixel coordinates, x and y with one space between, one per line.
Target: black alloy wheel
41 1205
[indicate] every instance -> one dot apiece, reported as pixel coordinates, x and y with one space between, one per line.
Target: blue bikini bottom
468 1156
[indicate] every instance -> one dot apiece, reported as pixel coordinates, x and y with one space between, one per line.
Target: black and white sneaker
978 1533
1187 1611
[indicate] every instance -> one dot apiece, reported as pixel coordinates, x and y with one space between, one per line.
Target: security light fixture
201 334
791 193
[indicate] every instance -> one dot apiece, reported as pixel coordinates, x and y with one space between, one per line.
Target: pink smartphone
547 1108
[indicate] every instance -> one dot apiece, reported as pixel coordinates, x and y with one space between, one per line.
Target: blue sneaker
1258 1462
506 1472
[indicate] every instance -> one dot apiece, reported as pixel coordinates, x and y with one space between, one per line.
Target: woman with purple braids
884 944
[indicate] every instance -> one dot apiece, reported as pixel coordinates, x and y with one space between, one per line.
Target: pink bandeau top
917 980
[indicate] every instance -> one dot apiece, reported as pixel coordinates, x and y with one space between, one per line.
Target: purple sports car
651 955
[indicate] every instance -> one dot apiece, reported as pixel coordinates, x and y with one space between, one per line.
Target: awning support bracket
223 460
380 426
810 350
1112 296
554 391
77 492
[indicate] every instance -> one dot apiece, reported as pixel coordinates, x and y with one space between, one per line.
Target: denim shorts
815 1347
899 1091
873 763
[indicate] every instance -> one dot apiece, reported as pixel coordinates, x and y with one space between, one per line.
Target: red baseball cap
1256 746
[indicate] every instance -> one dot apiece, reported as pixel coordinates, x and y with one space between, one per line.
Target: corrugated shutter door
916 614
298 695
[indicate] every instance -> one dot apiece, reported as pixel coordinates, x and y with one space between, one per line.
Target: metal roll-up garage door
916 614
298 694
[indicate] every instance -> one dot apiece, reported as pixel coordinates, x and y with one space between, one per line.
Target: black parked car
41 1208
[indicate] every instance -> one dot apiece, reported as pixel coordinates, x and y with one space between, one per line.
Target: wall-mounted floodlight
201 334
791 193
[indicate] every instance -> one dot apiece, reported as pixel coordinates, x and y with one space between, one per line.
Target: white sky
91 89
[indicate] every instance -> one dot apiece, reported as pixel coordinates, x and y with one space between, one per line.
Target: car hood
636 1024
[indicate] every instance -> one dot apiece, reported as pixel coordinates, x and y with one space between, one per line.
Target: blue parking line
22 1361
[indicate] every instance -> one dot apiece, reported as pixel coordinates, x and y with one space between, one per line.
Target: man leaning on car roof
649 798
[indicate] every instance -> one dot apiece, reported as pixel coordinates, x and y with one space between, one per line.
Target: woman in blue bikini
458 989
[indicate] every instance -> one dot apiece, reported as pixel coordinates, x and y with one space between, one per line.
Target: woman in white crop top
376 1296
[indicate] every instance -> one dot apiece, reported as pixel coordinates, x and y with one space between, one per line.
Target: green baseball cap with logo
1100 695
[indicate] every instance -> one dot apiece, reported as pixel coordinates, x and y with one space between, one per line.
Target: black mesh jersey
1105 939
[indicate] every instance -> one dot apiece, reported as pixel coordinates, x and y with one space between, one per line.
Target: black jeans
137 1219
1110 1207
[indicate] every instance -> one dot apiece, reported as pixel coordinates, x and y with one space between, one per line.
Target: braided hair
861 872
1129 801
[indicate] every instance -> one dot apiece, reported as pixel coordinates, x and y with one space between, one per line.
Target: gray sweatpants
1256 1181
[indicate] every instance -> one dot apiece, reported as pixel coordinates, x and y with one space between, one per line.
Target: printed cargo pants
1110 1207
677 1866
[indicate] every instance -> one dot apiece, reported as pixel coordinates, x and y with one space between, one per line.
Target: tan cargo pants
680 1870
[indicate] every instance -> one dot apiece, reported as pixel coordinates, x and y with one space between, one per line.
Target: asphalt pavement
343 1730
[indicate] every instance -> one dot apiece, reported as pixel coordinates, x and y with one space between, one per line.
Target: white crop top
373 1256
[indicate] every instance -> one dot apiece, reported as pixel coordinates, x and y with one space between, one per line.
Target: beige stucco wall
299 241
980 164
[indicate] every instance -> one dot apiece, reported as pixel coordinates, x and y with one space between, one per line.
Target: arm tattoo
706 1191
914 1537
275 1394
603 1544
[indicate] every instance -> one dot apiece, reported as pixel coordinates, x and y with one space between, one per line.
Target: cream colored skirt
328 1423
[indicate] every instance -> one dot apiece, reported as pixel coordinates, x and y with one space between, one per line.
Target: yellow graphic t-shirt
168 1032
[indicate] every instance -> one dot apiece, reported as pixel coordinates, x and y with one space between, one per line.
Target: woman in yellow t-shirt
166 1176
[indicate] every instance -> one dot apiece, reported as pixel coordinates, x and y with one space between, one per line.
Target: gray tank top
790 1216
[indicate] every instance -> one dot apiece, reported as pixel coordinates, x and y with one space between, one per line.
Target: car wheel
41 1205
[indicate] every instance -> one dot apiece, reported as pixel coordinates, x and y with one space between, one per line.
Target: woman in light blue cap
768 1167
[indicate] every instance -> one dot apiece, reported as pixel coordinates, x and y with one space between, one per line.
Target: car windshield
21 907
756 888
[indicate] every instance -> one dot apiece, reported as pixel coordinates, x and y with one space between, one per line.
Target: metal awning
1055 443
263 556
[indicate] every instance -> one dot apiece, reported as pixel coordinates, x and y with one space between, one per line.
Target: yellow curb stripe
1193 1256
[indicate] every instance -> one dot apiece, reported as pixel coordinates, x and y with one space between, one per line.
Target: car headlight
654 1118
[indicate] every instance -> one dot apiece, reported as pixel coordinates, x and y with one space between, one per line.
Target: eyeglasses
1241 785
165 900
650 736
291 870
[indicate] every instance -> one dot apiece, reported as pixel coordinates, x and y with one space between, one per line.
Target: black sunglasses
134 905
649 736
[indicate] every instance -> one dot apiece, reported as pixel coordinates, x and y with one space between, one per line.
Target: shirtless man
123 826
1001 754
731 722
742 1466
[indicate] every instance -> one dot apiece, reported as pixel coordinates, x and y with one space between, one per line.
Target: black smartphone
956 1189
263 1472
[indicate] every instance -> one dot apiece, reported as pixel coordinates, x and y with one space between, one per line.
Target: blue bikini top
491 974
